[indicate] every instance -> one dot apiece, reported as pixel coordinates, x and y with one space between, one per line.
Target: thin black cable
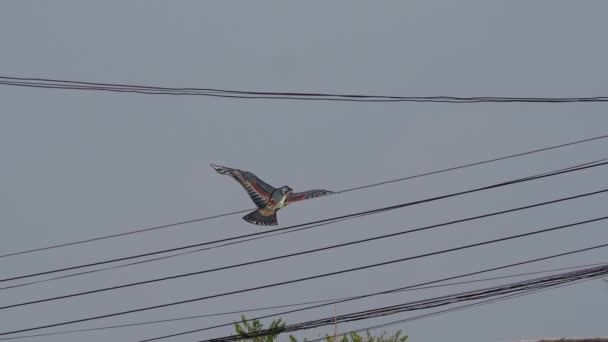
123 234
307 278
172 225
270 233
338 218
475 294
387 291
213 247
441 301
485 302
458 308
451 169
309 96
164 257
310 251
538 283
294 304
255 238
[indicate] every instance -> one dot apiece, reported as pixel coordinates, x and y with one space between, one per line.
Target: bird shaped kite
268 199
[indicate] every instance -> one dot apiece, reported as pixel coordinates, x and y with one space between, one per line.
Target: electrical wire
209 248
379 237
164 257
308 96
387 291
318 276
310 251
178 224
511 288
294 304
338 218
458 308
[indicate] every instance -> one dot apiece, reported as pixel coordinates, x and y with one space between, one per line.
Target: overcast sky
76 165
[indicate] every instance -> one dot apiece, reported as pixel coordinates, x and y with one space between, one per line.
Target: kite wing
300 196
258 190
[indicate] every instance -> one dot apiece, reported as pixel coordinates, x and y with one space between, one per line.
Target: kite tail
256 217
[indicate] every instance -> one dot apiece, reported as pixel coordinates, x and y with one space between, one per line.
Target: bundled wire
457 308
489 292
46 83
418 288
399 289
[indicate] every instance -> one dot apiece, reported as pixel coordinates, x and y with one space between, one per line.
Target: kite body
267 198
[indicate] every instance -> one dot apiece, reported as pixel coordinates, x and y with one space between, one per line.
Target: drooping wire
47 83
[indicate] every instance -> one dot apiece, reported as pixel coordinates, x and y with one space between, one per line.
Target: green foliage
276 327
255 326
354 337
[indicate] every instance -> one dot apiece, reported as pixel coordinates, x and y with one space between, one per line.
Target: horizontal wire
308 96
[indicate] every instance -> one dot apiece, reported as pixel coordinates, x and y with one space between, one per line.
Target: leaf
239 329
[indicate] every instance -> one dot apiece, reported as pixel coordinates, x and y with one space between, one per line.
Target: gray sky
83 164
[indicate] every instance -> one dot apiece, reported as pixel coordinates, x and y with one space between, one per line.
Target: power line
458 308
310 251
388 291
293 304
212 247
165 257
517 287
46 83
177 224
537 283
170 225
279 233
329 220
318 222
520 287
318 276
